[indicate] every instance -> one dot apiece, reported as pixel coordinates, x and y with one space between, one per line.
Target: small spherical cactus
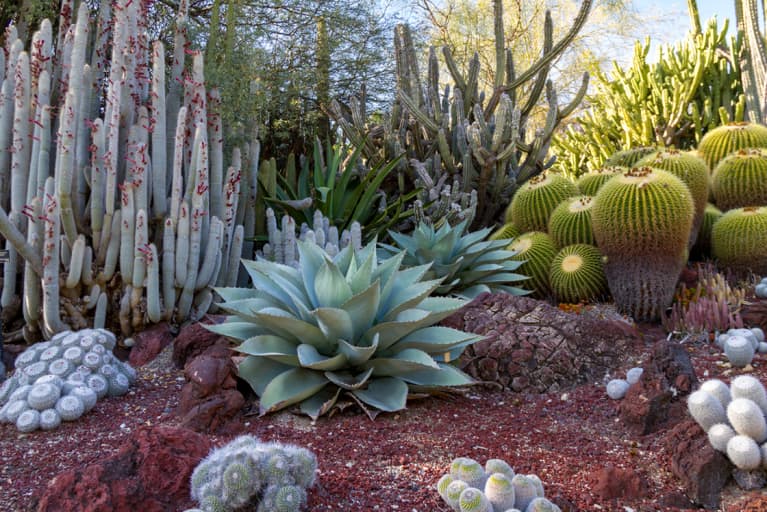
283 498
534 201
442 485
525 491
577 274
43 396
98 384
86 395
49 419
499 466
725 140
739 351
739 240
237 484
740 179
50 353
468 470
633 375
642 220
747 419
12 410
719 435
541 504
29 356
746 333
28 421
35 370
303 465
570 222
537 250
508 230
74 355
474 500
60 367
500 491
617 388
744 452
118 384
706 409
20 393
629 157
453 493
718 389
590 183
748 386
92 360
70 407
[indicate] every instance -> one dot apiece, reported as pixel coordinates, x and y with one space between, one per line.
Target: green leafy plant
346 325
467 263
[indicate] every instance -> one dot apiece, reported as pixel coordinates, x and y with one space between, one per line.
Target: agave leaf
331 287
470 239
440 307
387 269
504 277
446 375
237 330
284 324
272 347
259 371
320 403
290 387
405 323
309 357
362 309
343 259
494 256
357 354
407 360
312 258
246 308
335 323
229 293
346 380
435 340
360 279
409 297
387 394
472 292
299 297
405 242
266 286
400 280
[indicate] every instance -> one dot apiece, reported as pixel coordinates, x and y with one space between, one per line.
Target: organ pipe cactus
459 141
348 324
92 203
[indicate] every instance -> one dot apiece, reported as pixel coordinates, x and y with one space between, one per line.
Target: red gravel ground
392 463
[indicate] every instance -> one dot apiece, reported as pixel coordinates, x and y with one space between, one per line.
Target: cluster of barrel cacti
246 471
62 379
468 152
114 198
470 487
733 418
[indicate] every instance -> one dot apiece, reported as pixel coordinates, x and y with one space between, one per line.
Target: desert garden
484 296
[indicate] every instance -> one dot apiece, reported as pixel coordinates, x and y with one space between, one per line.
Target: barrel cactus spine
642 220
739 240
577 274
570 222
533 203
727 139
589 183
740 179
702 247
629 157
537 250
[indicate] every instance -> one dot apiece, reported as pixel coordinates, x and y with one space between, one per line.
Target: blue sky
678 8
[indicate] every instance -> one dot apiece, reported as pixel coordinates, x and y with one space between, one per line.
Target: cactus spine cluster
642 221
127 215
537 250
570 222
729 138
533 203
246 471
740 179
739 240
590 182
577 274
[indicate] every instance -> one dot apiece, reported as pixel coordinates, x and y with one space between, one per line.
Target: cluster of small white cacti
761 289
247 471
62 379
740 345
617 388
734 419
282 246
469 487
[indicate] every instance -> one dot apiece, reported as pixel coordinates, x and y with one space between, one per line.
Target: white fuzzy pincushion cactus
503 490
61 379
743 427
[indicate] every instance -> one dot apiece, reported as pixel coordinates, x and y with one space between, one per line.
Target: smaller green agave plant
467 263
342 325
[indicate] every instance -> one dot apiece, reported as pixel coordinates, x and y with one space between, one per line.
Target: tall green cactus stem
159 133
51 248
739 240
753 60
455 134
534 201
642 221
740 179
693 172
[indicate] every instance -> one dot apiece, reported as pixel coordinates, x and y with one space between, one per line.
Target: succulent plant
727 139
739 240
346 324
744 452
719 435
748 386
537 250
467 264
534 201
570 222
242 472
590 182
747 419
617 388
642 220
629 157
577 274
508 230
702 247
706 409
500 491
740 179
739 351
693 172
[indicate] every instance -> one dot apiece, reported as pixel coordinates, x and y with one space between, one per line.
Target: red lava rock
149 343
753 502
613 483
210 399
194 339
150 472
702 470
531 346
754 313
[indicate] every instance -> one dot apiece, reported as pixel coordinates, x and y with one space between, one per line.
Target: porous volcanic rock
532 346
149 473
702 470
194 339
613 483
754 313
149 343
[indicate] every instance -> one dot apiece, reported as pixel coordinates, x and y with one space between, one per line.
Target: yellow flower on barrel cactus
570 222
642 220
577 273
537 250
739 240
534 201
693 172
590 183
727 139
740 179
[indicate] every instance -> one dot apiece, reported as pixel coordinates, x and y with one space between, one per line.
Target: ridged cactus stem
127 232
215 238
13 235
112 253
97 188
32 291
100 315
182 244
140 248
52 322
7 103
10 268
76 261
21 134
159 146
153 310
233 265
168 267
177 180
64 176
215 136
41 139
125 310
175 113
